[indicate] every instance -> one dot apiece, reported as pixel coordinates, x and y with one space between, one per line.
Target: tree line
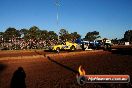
35 33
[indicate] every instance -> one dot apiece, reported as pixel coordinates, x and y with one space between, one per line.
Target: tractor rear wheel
107 47
57 49
72 48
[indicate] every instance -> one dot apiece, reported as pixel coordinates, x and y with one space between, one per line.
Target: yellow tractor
65 46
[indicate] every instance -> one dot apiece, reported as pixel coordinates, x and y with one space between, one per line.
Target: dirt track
44 73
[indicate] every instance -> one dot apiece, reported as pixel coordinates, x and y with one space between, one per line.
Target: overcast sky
110 17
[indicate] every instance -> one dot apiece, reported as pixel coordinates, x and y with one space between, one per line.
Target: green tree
128 36
1 33
23 32
64 35
63 32
92 36
1 37
115 41
11 33
44 34
52 35
75 35
34 33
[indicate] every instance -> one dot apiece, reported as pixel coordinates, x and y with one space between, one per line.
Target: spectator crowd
21 44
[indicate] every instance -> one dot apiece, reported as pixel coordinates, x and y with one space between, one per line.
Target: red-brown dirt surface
42 72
